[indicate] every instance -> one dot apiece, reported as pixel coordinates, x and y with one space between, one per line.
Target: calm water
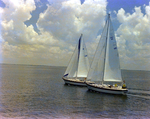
36 92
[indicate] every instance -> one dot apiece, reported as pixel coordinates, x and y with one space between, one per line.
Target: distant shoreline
64 66
31 65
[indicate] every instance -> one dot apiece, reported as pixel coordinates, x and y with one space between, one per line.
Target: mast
79 47
105 47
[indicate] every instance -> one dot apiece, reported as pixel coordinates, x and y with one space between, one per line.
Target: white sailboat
105 70
77 70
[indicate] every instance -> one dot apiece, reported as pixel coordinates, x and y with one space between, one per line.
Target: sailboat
78 67
104 74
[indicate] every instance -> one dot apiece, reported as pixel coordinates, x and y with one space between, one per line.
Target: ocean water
38 92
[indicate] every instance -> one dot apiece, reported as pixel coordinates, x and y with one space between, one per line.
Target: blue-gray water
38 92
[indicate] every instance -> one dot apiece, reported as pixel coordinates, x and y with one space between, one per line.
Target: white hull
74 82
107 89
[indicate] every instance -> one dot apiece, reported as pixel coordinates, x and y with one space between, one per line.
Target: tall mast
106 47
79 48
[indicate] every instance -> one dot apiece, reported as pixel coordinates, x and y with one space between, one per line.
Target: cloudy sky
45 32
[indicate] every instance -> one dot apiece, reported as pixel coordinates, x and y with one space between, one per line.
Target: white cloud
71 19
65 22
134 37
60 27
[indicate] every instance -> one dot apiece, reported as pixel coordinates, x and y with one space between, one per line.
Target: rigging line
105 47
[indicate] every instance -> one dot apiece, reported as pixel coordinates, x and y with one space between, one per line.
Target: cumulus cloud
133 38
60 26
69 19
66 21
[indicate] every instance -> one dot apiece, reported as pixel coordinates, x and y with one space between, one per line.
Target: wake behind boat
105 69
77 70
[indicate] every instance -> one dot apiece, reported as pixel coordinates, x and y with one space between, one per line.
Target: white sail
105 64
112 67
83 65
79 63
97 66
71 70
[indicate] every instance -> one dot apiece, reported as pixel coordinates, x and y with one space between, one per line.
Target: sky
45 32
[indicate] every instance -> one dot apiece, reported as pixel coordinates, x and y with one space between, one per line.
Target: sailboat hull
107 89
74 82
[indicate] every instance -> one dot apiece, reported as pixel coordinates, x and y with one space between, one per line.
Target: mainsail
105 65
79 63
